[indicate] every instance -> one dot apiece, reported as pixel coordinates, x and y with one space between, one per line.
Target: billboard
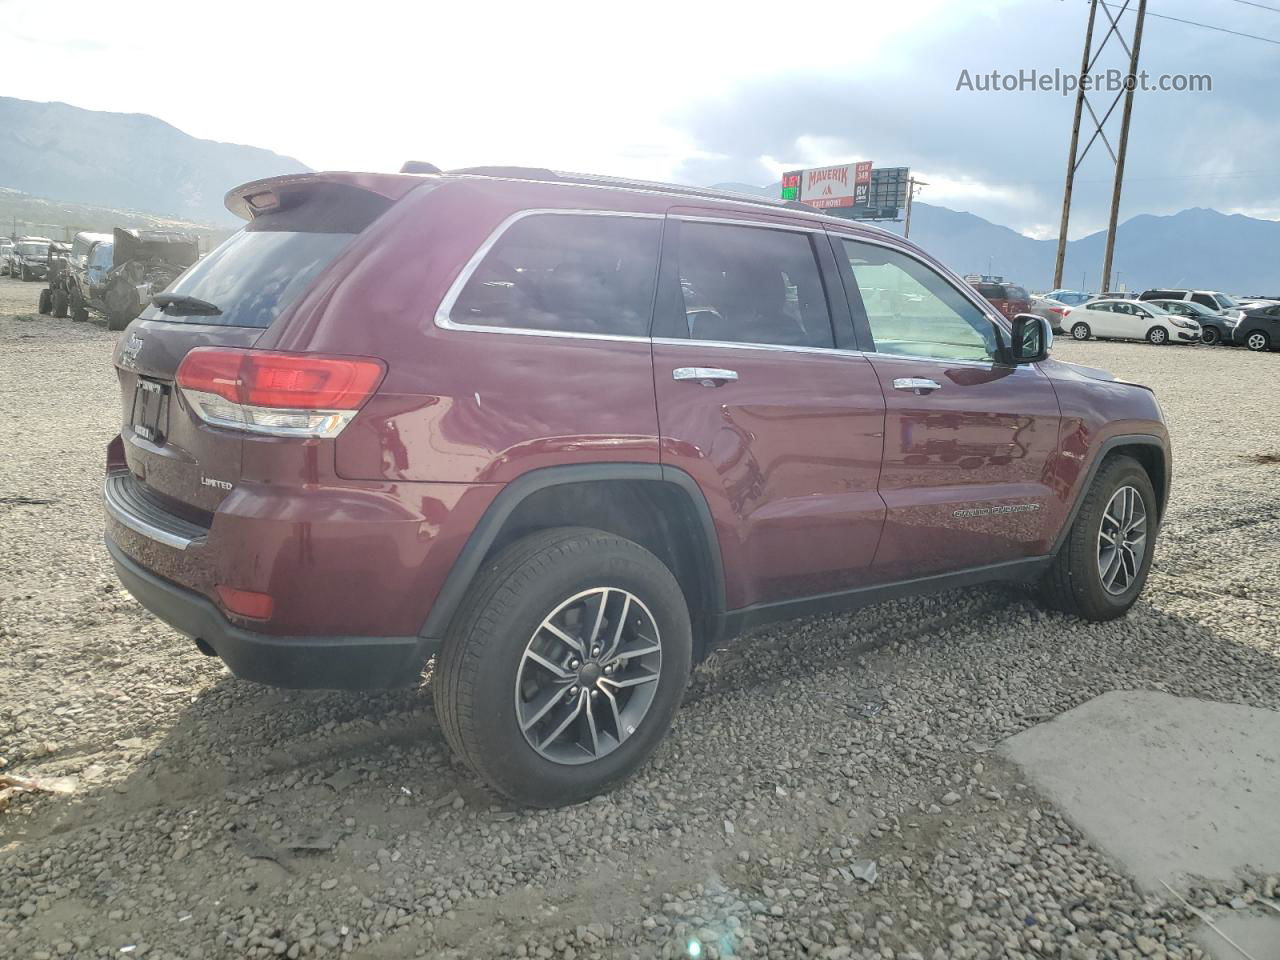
856 191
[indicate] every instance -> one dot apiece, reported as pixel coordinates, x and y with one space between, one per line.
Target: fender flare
1112 443
486 532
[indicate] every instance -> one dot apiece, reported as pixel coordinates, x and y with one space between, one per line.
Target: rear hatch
230 298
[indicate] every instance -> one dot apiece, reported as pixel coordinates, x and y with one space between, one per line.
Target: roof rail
590 179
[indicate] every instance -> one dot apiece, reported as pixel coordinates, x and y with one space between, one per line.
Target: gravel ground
829 789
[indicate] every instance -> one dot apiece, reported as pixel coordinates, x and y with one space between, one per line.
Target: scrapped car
1259 329
144 262
1215 327
1131 320
568 434
30 258
88 266
53 298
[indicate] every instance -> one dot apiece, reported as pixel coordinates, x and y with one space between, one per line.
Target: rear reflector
283 394
246 603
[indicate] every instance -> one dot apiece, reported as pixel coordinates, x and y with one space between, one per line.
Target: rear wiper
185 304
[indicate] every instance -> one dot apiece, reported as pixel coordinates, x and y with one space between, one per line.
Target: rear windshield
264 268
992 291
1015 293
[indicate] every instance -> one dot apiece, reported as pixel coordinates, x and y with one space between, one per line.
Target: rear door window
750 285
1204 300
571 273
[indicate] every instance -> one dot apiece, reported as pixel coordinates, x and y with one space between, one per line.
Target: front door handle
707 376
917 385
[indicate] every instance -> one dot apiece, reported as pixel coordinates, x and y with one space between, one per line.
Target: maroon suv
568 434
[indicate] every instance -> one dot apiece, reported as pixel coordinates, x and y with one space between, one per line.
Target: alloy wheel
1256 341
1122 540
588 676
1157 335
1080 332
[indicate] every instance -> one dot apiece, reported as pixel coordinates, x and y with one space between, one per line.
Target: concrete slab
1257 936
1170 787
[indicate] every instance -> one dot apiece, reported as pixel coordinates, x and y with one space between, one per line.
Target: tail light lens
279 394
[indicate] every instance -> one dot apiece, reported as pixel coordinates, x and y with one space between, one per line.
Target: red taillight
290 381
246 603
282 394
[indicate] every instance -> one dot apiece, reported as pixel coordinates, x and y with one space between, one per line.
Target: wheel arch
1149 450
660 508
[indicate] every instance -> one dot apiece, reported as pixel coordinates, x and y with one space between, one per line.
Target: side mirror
1032 338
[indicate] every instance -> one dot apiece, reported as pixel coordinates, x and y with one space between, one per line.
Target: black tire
45 306
59 303
1158 336
476 672
1080 331
1210 336
1257 341
118 321
26 274
79 314
1073 583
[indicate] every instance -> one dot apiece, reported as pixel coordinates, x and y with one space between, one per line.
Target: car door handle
918 385
707 376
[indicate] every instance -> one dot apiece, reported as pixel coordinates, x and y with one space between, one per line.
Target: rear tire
486 681
1080 331
45 306
1158 336
1075 582
1257 341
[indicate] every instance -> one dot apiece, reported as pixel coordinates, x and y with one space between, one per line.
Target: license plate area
150 415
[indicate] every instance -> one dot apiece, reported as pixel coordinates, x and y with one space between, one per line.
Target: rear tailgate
233 296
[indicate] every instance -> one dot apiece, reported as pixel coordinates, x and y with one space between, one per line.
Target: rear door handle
918 385
707 376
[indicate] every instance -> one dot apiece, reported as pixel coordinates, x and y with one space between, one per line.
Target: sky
691 92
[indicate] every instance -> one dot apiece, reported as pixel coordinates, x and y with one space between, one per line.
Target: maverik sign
831 187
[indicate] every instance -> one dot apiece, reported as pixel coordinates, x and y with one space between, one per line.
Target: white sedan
1130 320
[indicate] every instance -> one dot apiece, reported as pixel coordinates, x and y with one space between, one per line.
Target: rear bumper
299 662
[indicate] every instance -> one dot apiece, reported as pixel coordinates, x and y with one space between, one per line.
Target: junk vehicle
143 263
53 298
569 434
84 280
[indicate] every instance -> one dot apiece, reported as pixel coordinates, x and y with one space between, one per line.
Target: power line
1210 26
1260 6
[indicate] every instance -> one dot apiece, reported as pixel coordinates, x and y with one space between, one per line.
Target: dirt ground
830 788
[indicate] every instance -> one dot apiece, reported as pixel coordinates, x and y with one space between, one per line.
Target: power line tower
1132 46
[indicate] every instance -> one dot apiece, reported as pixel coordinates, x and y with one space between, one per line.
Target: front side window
743 284
571 273
914 311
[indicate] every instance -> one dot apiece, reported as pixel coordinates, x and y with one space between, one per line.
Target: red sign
843 186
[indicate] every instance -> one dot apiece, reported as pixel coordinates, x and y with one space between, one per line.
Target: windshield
253 276
33 249
1223 301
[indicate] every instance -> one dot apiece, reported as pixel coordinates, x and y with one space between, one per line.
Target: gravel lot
209 817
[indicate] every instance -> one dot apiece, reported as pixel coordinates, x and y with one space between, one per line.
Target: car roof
393 186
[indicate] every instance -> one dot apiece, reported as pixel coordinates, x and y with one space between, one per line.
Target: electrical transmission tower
1132 46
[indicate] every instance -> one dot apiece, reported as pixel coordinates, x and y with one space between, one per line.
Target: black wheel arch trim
468 562
1106 447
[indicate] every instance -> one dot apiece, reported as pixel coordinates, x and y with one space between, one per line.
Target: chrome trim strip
735 222
732 345
117 511
443 320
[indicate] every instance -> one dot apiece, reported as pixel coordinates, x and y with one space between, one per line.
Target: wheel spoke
617 630
591 728
619 731
572 642
593 613
629 681
1112 569
559 672
571 716
545 703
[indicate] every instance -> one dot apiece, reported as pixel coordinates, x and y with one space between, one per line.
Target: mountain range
1196 248
124 160
123 163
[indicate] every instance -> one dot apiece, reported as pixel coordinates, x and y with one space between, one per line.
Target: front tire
45 306
1080 331
59 303
550 685
1158 336
1257 341
1102 566
1210 336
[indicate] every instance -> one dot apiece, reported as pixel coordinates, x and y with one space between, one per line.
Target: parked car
30 258
1052 310
569 434
1215 327
1009 298
6 252
1259 329
1072 298
1131 320
1117 295
1209 299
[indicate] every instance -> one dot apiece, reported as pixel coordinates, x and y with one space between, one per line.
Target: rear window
1015 293
260 271
992 291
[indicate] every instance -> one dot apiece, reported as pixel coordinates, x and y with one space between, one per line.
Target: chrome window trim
735 345
734 222
445 322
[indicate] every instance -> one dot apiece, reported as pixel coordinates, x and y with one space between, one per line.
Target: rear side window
741 284
570 273
265 267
